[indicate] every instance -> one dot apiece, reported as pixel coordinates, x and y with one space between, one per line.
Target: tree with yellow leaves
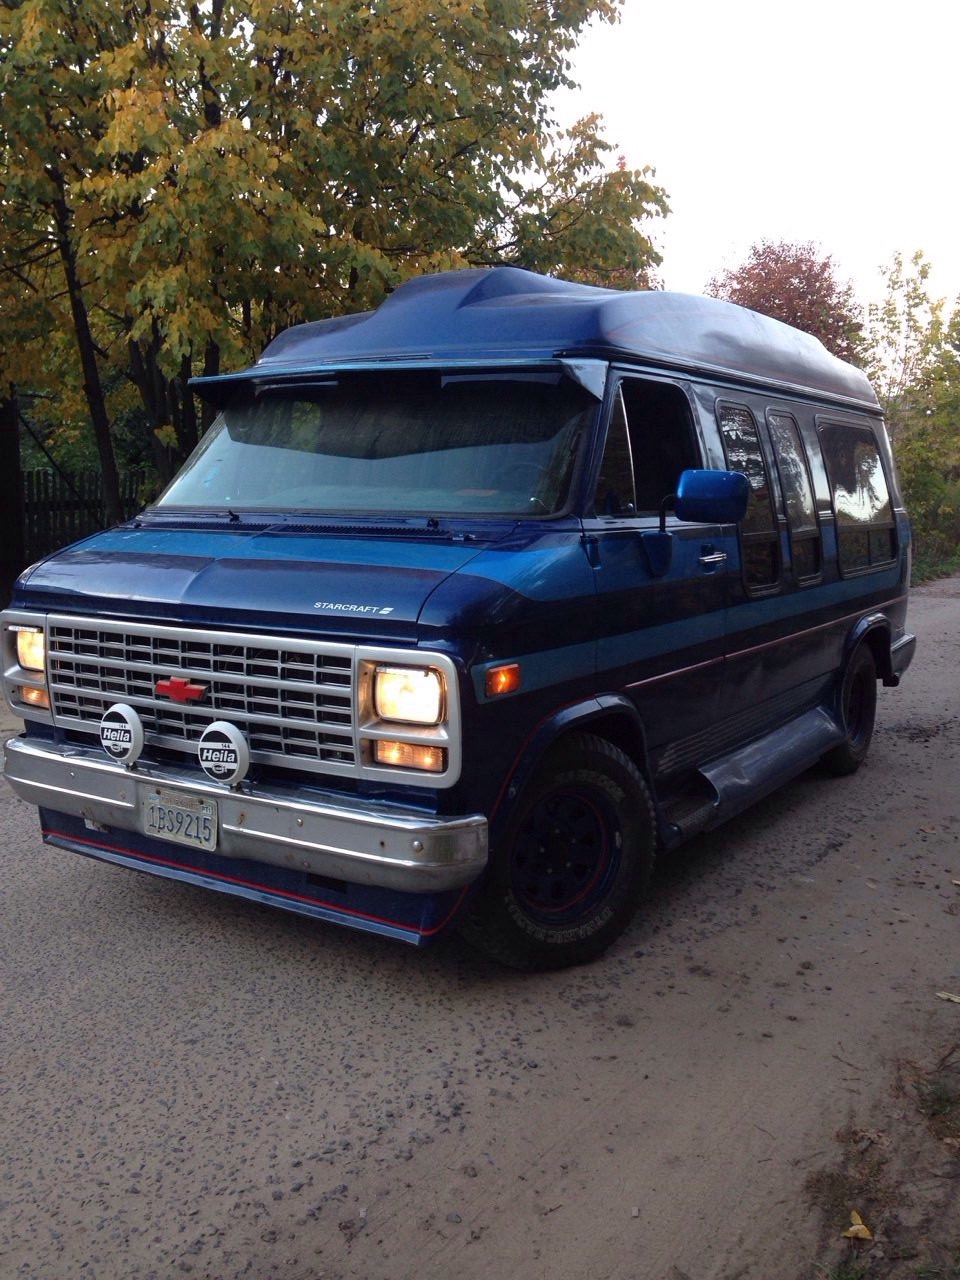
184 180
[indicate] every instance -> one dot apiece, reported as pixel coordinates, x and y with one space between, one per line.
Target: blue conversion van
467 608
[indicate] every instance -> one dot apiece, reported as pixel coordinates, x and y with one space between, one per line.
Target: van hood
338 584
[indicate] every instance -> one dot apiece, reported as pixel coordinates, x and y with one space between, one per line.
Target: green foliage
182 181
913 351
848 1270
932 492
904 338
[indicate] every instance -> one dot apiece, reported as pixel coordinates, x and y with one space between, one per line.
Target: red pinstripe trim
811 631
767 644
675 671
262 888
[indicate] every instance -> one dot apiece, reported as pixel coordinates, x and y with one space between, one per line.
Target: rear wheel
572 866
858 710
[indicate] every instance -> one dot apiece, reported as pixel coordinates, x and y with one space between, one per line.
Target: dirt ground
903 1174
194 1086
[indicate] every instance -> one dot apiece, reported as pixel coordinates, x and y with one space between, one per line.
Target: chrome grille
292 698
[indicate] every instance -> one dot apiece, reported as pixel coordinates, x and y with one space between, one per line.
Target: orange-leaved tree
799 285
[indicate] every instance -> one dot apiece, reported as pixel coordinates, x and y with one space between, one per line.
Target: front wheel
858 710
574 861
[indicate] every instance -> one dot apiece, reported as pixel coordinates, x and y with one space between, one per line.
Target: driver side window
650 440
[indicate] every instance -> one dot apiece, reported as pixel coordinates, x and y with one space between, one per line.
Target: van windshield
416 444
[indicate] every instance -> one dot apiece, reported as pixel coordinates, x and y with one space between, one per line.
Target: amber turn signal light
500 680
409 755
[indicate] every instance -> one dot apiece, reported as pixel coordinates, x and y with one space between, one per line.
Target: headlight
410 695
31 650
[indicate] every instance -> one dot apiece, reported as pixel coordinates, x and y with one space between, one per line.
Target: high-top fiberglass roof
503 314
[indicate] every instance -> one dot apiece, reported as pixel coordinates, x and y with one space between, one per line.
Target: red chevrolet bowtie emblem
180 689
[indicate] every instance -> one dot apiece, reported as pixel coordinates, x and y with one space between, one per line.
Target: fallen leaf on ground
948 995
859 1230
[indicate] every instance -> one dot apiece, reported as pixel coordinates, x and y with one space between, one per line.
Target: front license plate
182 819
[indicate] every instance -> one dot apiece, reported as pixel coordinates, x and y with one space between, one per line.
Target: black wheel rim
565 856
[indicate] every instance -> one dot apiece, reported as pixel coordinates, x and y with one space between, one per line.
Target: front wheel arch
572 860
610 716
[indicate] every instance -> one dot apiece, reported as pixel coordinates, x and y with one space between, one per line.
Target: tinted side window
798 500
649 442
758 530
866 535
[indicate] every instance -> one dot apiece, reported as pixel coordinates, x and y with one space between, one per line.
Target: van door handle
713 557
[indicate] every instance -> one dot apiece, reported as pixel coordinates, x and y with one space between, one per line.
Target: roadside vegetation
890 1203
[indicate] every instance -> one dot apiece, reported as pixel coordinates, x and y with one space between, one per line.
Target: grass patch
951 1271
927 568
847 1271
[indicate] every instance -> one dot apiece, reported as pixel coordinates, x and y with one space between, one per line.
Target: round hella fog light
223 753
121 733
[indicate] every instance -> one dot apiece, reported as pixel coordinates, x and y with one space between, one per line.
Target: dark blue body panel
650 633
264 577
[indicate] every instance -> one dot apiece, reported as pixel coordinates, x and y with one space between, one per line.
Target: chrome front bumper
342 837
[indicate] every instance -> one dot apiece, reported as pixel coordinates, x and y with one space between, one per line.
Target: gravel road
195 1086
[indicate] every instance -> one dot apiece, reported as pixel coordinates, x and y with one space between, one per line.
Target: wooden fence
59 508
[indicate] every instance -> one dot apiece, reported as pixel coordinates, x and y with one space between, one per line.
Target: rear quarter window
866 531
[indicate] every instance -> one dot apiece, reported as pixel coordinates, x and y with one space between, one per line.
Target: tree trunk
12 540
160 397
211 367
93 389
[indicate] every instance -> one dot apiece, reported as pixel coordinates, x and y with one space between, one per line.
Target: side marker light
501 680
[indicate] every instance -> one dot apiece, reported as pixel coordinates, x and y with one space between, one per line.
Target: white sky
833 121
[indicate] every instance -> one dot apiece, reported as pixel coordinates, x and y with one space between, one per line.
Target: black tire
858 712
574 861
